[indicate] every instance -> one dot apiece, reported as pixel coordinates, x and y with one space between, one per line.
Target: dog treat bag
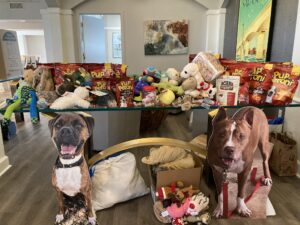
120 71
124 92
228 90
101 85
285 83
209 66
65 71
260 82
101 70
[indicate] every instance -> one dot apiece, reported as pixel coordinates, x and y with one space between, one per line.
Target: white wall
134 13
292 122
36 47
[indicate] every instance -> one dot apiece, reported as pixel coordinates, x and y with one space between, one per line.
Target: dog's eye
242 136
78 126
57 125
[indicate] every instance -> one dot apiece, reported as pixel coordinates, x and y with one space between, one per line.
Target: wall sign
253 30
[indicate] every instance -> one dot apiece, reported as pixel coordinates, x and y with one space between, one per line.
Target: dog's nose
66 131
229 150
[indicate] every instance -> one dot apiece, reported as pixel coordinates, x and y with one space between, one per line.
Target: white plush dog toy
192 70
72 99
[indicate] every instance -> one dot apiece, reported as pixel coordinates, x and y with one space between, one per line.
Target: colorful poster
253 30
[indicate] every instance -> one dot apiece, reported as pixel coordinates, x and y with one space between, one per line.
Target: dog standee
231 148
70 174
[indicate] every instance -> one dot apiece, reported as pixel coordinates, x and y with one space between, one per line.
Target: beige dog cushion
184 163
164 154
115 180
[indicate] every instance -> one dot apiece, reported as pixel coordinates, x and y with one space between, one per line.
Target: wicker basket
152 119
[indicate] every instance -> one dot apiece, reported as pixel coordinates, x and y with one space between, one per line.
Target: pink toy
177 221
177 212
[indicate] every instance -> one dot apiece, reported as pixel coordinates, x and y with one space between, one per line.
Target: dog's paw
218 212
59 218
242 209
267 181
92 220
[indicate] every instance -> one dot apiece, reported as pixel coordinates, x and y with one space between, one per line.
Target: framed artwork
116 45
253 30
166 37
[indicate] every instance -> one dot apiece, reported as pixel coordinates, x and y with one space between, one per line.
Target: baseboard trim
4 165
298 164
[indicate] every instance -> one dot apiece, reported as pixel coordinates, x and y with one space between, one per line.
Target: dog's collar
58 163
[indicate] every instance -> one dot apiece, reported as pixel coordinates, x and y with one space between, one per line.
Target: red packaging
124 92
260 82
285 83
101 85
120 70
64 70
101 70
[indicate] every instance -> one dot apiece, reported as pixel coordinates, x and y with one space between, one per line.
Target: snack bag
120 71
124 92
101 85
63 71
260 82
228 90
101 70
209 66
285 83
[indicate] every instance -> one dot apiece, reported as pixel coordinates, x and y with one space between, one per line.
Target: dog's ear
248 117
51 124
89 122
221 115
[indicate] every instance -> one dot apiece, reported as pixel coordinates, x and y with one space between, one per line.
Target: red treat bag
63 71
124 92
101 70
120 71
285 83
101 84
260 82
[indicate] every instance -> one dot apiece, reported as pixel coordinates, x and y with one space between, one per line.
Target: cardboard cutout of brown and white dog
70 174
231 148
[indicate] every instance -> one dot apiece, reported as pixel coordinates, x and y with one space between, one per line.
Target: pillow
115 180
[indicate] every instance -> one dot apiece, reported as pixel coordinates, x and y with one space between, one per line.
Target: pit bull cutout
231 148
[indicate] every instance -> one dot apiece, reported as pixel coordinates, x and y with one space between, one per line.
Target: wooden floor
27 198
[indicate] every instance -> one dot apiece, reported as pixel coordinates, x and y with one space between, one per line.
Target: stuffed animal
151 74
192 70
176 211
189 86
174 76
164 193
67 86
72 99
28 76
42 79
164 154
208 90
178 90
204 219
184 163
138 86
166 97
198 203
186 192
24 96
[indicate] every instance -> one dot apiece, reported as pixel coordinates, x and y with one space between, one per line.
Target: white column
215 30
4 162
292 124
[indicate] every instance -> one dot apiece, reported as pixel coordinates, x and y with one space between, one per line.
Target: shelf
10 79
48 110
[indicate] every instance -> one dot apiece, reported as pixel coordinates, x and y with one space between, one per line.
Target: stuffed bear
173 76
42 79
28 76
189 86
192 70
72 99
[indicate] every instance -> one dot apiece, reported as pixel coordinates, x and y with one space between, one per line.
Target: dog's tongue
68 149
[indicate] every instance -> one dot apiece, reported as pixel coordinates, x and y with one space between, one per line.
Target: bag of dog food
228 90
285 83
260 82
209 66
124 92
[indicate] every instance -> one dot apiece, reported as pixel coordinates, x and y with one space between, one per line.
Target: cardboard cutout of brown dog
70 174
231 148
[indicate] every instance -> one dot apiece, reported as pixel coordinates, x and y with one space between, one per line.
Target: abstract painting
166 37
253 30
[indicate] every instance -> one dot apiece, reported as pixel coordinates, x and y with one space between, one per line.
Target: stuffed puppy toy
164 154
42 79
173 76
72 99
198 204
192 70
28 76
67 86
189 85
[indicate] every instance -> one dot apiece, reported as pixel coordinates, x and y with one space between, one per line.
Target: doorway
101 40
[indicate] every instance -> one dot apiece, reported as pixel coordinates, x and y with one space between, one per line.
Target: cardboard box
10 59
190 176
283 160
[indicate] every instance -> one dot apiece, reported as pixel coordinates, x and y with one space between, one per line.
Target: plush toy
67 86
176 211
138 86
42 79
186 192
189 86
178 90
151 74
204 219
72 99
24 96
166 97
183 163
177 221
192 70
164 193
28 76
198 203
208 90
174 76
164 154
